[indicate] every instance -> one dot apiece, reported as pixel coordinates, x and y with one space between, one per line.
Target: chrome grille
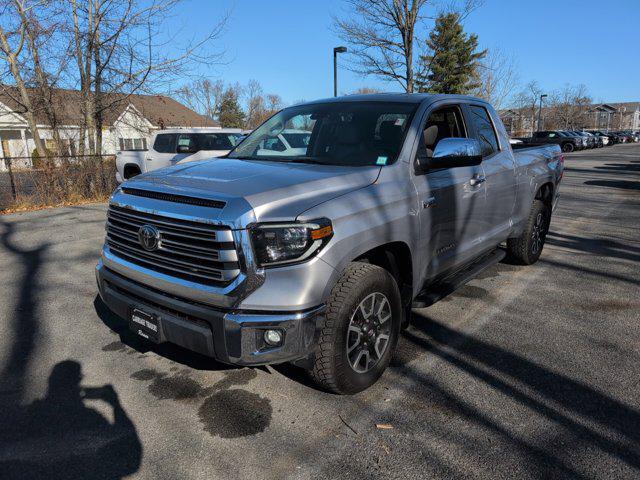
190 250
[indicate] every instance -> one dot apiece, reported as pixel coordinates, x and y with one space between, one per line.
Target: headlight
283 243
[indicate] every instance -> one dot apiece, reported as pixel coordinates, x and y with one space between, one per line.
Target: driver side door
450 200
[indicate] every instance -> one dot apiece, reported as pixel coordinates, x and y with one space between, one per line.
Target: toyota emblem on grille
149 237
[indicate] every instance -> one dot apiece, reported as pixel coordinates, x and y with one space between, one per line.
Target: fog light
273 337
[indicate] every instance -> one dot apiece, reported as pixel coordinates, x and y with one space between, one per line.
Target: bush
63 181
38 162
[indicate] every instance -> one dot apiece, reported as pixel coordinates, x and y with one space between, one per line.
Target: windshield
342 133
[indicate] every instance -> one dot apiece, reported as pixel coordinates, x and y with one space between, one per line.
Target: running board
439 290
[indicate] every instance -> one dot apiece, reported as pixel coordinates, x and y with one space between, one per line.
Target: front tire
526 249
359 330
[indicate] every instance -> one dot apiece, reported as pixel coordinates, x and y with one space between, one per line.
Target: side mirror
186 149
452 153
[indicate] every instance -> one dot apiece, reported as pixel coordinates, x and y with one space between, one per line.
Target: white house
128 123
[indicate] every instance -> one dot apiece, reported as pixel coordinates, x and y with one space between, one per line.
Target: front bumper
230 336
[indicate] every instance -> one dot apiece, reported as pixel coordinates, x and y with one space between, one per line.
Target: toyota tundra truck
317 255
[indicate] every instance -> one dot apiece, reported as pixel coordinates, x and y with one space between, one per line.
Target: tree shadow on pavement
622 184
57 436
597 246
585 413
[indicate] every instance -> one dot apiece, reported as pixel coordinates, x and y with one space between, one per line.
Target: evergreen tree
231 114
451 66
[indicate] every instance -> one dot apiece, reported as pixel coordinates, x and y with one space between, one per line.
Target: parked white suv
169 147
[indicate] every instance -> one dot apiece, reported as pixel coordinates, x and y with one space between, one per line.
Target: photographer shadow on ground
62 436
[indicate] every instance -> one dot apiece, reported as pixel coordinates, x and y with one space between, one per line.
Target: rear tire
526 249
363 307
567 147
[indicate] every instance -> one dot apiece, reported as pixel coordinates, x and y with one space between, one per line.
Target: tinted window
484 129
217 141
297 140
165 143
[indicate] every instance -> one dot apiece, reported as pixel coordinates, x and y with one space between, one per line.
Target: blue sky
287 44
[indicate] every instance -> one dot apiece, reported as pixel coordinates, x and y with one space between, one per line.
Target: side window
165 143
484 129
188 140
216 141
443 123
274 144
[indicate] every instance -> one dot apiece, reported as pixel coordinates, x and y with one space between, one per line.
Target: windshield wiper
315 161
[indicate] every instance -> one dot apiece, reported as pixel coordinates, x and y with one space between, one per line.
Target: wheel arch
395 257
131 170
545 193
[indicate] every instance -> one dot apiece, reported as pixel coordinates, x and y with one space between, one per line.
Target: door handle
429 202
148 159
477 180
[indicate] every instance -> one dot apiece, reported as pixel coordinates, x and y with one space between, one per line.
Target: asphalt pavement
526 372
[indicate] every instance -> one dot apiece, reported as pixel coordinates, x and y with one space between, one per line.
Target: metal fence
32 182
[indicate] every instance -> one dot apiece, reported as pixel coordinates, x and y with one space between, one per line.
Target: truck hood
257 190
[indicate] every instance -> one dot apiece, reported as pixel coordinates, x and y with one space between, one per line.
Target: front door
449 200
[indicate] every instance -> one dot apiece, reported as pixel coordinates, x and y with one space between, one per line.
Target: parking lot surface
526 372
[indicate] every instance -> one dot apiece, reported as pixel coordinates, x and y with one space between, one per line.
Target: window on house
132 144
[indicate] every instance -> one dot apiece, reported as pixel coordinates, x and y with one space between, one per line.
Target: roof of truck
394 97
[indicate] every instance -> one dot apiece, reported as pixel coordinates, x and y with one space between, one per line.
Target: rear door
449 200
162 152
499 174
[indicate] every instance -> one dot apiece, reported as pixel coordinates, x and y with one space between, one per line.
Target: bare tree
381 37
48 61
366 91
524 104
255 104
12 45
203 96
118 53
568 106
497 78
259 106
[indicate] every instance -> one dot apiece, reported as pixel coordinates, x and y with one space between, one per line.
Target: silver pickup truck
316 255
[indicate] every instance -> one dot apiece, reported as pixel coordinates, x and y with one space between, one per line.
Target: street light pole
336 51
540 109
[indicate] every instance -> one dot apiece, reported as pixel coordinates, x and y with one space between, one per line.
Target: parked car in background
606 139
582 140
288 142
589 140
597 140
316 254
169 147
630 135
566 142
615 138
